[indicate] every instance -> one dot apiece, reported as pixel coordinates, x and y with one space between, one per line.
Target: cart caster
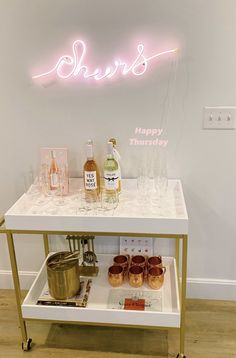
26 346
180 356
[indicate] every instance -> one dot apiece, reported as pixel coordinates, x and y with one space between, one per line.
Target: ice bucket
63 275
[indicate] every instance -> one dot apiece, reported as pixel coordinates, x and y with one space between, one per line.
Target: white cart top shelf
131 215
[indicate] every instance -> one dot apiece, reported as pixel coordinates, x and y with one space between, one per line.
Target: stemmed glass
31 184
143 186
109 200
36 193
59 198
144 182
160 180
87 202
44 181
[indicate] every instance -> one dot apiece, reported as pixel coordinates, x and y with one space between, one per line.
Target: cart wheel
26 346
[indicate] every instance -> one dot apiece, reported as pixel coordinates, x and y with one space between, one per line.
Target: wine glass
31 184
143 186
43 186
144 181
87 202
160 180
60 192
109 200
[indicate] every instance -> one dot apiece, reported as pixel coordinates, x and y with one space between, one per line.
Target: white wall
33 32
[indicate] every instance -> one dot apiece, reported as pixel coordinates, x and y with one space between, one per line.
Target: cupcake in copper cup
115 275
155 277
154 261
121 260
136 276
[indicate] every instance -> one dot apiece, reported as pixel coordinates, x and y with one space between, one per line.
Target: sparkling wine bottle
54 172
117 158
111 170
91 172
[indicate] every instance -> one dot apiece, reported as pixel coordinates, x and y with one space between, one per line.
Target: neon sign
74 66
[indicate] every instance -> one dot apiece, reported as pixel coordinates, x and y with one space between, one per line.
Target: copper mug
154 261
136 276
138 260
155 277
115 276
121 260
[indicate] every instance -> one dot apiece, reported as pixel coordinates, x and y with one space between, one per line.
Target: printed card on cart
139 300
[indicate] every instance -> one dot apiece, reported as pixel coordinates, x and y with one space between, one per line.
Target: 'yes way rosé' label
90 180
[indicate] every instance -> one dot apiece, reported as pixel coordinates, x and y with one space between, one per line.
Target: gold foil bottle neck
113 141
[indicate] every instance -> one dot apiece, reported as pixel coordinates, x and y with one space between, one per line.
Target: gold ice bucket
63 275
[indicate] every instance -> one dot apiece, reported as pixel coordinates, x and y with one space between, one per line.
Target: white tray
97 311
128 217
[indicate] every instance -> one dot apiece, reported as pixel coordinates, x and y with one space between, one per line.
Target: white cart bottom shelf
97 310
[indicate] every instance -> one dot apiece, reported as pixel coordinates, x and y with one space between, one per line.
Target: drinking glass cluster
96 203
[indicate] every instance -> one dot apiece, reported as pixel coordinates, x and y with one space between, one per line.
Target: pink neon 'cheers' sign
69 66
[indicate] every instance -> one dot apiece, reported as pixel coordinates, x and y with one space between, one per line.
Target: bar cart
128 219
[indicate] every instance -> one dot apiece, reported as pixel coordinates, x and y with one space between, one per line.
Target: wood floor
211 333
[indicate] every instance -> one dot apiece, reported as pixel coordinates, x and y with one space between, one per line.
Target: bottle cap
89 150
53 154
113 141
110 148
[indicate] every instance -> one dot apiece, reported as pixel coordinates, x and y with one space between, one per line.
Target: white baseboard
202 288
26 279
214 289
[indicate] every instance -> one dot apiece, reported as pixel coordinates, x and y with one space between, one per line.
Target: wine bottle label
90 180
54 180
111 179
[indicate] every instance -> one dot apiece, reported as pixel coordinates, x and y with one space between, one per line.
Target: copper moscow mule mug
155 277
136 276
115 275
138 260
121 260
154 261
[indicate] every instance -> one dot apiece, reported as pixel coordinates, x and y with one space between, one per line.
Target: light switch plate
219 117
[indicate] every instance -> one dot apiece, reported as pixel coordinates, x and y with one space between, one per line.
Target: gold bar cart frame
181 268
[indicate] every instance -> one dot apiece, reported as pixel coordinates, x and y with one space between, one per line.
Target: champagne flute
109 200
87 202
160 180
62 177
31 184
44 180
43 184
144 182
143 185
